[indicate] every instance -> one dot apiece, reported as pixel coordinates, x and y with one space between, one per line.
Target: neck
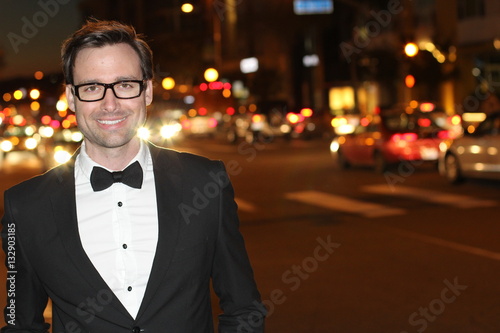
116 158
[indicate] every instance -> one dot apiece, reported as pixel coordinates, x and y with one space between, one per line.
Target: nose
109 102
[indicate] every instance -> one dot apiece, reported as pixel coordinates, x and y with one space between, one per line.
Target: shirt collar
86 164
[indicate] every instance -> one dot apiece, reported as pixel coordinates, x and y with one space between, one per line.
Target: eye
91 88
126 85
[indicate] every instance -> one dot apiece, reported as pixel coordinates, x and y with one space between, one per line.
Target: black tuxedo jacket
198 242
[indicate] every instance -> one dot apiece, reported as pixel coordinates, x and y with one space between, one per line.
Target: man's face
110 122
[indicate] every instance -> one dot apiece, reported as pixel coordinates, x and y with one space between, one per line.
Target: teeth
110 122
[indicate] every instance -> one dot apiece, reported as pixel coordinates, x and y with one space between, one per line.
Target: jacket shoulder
41 183
183 159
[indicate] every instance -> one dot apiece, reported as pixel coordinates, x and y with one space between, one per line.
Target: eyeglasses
92 92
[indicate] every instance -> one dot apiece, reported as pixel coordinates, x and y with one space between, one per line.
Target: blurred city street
362 139
349 251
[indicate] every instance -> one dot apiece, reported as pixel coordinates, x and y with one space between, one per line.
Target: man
116 257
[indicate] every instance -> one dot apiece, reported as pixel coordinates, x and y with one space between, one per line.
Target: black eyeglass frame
108 86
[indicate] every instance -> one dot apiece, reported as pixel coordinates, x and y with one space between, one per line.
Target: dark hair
96 33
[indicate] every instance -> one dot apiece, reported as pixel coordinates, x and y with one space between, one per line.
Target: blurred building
218 34
348 58
478 49
457 64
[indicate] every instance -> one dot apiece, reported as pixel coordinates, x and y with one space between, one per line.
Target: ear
70 97
149 92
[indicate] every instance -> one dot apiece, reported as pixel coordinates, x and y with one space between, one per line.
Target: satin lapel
64 205
168 197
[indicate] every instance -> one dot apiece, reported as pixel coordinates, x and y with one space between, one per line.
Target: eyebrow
118 79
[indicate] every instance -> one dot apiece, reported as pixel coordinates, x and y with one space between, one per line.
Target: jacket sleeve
232 274
26 297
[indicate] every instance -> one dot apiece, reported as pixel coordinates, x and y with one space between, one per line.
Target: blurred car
380 141
162 132
59 145
470 120
238 127
307 124
474 155
253 127
345 124
450 122
199 126
19 138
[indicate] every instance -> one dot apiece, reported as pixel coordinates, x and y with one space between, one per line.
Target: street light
187 8
35 93
411 49
168 83
18 94
409 81
38 75
211 75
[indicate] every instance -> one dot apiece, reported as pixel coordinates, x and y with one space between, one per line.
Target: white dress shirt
119 228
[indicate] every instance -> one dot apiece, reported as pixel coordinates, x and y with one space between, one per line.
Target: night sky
31 32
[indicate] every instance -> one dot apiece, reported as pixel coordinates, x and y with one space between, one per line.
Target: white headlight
77 136
30 143
334 146
143 133
6 145
62 156
169 131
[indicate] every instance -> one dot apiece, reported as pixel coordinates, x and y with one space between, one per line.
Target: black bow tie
101 179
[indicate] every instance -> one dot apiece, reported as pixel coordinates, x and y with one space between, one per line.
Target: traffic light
409 81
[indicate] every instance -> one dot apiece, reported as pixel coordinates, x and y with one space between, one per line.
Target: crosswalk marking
456 200
339 203
374 210
449 244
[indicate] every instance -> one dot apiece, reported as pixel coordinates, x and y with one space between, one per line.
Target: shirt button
124 246
129 288
120 203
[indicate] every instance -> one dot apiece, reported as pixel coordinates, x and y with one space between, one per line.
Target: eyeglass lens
96 91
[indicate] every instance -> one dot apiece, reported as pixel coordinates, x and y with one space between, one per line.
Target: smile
110 122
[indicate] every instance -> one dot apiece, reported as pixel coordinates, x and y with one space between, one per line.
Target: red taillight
55 124
216 85
408 137
444 135
292 117
202 111
300 128
212 122
46 120
424 122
